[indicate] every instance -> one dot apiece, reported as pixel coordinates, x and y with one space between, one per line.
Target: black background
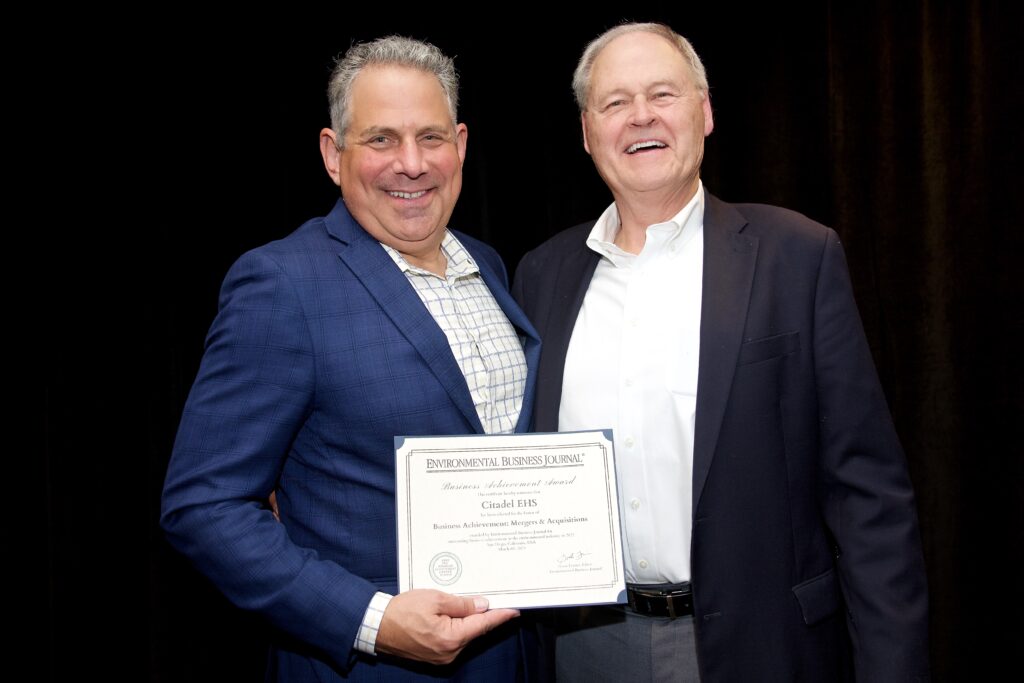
162 151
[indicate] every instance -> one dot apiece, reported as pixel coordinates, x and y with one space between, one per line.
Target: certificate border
609 478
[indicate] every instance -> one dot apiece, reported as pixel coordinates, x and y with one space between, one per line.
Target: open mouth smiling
644 145
398 194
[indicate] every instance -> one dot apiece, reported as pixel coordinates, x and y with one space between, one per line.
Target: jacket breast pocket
766 348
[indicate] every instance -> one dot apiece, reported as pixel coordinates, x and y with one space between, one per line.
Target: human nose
640 113
409 159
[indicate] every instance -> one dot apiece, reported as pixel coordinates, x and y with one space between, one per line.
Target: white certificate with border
527 520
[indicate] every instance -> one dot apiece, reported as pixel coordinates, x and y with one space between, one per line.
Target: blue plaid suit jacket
320 354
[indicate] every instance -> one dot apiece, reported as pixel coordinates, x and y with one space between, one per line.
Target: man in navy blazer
769 521
372 322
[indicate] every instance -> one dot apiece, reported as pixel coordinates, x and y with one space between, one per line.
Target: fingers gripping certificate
527 520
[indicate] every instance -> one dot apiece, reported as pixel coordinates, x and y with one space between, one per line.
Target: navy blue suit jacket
320 354
801 498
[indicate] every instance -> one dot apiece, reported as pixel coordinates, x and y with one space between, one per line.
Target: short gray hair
394 51
581 77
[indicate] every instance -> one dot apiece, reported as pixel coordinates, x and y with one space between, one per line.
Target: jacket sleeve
254 390
867 494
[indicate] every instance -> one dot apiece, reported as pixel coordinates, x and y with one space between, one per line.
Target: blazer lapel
396 297
729 260
574 276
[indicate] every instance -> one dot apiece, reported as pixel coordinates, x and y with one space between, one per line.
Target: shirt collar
460 263
671 234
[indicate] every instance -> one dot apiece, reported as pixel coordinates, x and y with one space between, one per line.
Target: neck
434 260
638 211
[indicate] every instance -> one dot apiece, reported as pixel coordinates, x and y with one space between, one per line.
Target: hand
273 505
431 626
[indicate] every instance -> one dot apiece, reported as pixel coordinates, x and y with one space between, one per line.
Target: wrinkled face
400 170
645 121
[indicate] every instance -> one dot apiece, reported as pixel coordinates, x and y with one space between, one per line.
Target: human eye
379 141
612 105
433 139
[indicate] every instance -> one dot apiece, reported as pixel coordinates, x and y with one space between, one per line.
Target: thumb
457 606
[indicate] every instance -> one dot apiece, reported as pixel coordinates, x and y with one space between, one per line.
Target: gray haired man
371 322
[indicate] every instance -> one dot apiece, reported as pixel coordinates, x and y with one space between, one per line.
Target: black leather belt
658 601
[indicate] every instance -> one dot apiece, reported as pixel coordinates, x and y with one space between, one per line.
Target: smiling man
371 322
769 525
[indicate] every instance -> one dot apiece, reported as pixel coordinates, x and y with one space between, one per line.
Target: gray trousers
613 643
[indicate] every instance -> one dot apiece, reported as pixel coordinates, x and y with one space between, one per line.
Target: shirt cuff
366 638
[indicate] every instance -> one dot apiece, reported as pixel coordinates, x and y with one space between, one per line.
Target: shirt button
629 442
635 503
629 382
643 564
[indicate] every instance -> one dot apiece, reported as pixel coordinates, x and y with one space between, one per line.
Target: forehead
635 59
394 96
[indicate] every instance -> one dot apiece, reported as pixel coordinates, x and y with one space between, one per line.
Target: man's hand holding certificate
527 520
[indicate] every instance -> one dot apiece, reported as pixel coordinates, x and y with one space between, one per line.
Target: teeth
408 195
646 144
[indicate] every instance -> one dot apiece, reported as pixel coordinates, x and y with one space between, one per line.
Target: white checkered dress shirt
487 349
483 341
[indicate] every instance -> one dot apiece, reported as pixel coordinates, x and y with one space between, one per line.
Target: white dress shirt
632 366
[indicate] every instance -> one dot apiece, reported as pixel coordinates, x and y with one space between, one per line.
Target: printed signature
577 555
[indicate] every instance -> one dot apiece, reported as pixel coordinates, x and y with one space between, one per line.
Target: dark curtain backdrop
896 123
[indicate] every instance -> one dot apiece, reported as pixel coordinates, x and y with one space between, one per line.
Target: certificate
527 520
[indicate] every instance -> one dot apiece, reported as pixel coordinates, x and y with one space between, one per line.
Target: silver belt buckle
670 600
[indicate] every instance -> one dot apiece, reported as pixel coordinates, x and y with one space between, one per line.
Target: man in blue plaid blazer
371 322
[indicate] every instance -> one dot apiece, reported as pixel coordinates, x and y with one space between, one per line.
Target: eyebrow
386 130
623 90
664 84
